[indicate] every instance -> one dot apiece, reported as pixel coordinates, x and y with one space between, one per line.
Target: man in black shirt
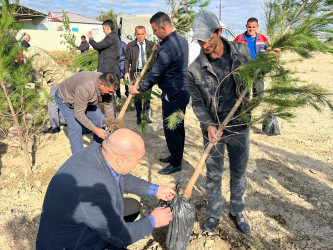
170 74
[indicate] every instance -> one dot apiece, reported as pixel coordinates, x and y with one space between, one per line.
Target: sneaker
240 222
210 225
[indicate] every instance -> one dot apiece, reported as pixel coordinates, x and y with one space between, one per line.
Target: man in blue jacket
84 207
170 74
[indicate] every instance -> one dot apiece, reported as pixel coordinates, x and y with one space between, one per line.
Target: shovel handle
222 126
128 100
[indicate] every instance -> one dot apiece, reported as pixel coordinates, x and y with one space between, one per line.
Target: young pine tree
21 106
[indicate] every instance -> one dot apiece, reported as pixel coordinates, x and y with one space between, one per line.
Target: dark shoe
169 169
138 121
149 120
210 225
166 159
52 130
63 124
241 223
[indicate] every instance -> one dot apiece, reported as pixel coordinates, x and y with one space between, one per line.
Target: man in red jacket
255 41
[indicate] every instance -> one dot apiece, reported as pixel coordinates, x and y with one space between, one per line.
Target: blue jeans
238 146
75 127
56 118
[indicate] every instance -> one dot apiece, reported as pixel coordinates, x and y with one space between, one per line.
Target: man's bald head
123 149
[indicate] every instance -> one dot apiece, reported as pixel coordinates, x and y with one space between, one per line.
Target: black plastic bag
180 228
270 125
183 216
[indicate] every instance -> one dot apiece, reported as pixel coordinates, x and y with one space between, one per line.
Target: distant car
194 47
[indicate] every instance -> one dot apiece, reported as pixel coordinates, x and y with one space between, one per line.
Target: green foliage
14 78
174 119
87 61
299 25
109 15
183 13
68 36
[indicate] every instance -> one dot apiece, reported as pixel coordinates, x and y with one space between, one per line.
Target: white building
45 30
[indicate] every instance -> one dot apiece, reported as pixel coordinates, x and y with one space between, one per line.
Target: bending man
84 206
77 98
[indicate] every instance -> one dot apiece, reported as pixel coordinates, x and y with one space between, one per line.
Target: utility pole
220 11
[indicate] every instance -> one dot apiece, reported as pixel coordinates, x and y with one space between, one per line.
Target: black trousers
175 100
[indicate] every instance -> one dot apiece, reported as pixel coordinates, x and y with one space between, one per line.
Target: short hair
139 27
109 23
26 36
160 18
252 20
83 36
110 79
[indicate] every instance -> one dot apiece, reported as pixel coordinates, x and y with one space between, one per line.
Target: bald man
84 207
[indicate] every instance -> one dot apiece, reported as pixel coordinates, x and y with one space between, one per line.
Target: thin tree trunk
295 17
222 126
23 143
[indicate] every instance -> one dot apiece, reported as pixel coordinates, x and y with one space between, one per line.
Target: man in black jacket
108 51
84 46
170 74
135 58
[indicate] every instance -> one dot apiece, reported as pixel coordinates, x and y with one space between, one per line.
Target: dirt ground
290 180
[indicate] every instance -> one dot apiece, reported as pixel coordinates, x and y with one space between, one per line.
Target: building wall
50 40
46 35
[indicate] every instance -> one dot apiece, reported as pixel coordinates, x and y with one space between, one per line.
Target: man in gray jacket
77 99
85 207
214 91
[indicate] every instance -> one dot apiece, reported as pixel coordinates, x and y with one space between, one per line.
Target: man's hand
166 193
127 76
134 90
156 46
212 134
89 34
99 132
162 216
275 51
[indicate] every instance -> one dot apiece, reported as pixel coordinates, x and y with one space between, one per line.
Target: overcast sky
234 12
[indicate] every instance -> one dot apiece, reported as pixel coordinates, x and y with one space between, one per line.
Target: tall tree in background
21 107
183 12
109 15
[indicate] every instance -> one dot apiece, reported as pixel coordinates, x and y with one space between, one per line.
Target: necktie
142 55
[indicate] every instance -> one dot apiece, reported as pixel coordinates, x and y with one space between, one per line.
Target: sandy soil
290 184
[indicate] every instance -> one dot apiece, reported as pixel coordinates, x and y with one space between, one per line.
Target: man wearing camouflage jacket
45 69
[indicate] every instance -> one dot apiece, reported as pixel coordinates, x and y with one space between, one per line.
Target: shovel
116 123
